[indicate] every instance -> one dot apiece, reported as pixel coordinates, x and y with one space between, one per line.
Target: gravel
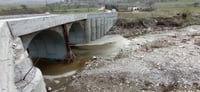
163 62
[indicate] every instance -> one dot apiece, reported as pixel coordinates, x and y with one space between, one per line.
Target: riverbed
162 62
166 61
57 73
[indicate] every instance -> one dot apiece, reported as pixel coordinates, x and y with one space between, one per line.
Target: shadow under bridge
51 43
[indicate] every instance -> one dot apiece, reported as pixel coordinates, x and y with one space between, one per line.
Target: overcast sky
4 2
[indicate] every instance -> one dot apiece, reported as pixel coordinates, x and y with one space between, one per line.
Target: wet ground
161 62
165 61
57 73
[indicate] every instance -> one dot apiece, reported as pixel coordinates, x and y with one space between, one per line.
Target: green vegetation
178 6
161 8
64 9
181 9
10 7
52 8
173 11
78 10
179 3
139 15
182 19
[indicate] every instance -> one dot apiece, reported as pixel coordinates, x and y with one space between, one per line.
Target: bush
23 6
196 4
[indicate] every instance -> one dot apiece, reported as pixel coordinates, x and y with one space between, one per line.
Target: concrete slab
25 26
4 40
6 60
29 24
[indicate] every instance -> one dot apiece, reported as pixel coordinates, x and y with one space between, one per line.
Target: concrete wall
27 77
99 24
14 64
6 60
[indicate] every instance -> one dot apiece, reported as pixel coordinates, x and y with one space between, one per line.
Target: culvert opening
48 52
47 45
46 49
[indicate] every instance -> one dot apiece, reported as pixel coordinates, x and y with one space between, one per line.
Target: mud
57 73
161 62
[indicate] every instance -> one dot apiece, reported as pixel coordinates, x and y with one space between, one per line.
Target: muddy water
57 73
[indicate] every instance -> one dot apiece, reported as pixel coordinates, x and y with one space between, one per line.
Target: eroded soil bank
161 62
130 28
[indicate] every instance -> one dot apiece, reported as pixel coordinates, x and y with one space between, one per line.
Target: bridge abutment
15 64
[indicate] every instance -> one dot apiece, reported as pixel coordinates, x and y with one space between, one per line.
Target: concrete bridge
43 36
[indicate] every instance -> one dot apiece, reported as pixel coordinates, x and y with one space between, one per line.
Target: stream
57 73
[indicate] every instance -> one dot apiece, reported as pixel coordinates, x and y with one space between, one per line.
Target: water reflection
56 72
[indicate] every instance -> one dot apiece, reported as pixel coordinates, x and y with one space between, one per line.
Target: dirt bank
168 61
134 27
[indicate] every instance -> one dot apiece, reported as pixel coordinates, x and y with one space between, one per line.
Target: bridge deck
26 24
22 16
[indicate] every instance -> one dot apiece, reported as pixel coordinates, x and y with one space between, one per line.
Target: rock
49 88
57 81
94 58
